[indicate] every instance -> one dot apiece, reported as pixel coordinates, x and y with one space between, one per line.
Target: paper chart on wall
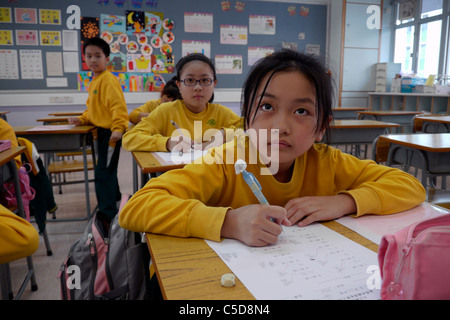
313 262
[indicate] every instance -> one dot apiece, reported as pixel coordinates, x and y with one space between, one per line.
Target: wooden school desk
436 124
54 120
188 268
148 165
427 151
52 141
67 113
358 132
401 117
346 112
9 170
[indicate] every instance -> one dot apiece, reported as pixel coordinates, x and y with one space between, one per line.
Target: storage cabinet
394 101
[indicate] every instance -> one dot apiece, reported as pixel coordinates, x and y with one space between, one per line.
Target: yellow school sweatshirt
193 201
106 106
18 237
152 133
147 107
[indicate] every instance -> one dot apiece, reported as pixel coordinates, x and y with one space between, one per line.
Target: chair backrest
380 150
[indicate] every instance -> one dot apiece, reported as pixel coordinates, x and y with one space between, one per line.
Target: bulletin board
40 47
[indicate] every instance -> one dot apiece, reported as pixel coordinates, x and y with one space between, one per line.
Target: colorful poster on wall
49 16
117 62
113 24
27 37
89 29
50 38
262 24
84 80
162 64
5 15
153 23
25 15
135 22
228 64
6 38
139 63
232 34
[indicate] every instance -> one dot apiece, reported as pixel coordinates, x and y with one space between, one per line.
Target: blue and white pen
252 182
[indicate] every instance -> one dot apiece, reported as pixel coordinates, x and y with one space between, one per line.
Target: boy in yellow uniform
106 109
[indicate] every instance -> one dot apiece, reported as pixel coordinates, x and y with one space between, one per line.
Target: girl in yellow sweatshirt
287 109
169 93
195 113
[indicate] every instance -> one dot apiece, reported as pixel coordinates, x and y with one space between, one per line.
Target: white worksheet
312 262
176 158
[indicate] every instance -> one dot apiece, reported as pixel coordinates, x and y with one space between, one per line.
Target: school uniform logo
211 122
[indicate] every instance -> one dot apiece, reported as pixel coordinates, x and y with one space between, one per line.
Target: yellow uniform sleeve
18 237
148 107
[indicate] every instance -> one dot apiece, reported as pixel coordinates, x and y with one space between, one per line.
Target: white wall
26 106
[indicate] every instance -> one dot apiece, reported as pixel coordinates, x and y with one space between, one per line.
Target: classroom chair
9 173
418 126
404 158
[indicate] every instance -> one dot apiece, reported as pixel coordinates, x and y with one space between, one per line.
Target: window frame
444 17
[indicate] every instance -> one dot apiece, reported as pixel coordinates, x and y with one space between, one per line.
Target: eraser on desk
228 280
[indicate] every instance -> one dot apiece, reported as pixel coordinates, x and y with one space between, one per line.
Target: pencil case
415 261
5 145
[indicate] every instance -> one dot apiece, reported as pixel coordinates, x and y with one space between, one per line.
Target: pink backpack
415 261
28 193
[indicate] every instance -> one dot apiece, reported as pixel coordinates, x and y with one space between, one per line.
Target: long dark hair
196 57
290 60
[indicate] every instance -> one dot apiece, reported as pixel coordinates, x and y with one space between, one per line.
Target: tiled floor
62 234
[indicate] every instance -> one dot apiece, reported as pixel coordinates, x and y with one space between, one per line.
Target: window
404 41
431 8
421 36
429 46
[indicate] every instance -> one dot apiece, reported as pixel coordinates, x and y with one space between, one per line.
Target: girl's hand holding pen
183 144
251 224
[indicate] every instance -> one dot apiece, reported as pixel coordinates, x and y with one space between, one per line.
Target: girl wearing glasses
196 81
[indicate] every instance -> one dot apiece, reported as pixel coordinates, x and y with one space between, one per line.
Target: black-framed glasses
191 82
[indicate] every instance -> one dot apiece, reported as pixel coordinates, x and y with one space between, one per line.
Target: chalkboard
302 26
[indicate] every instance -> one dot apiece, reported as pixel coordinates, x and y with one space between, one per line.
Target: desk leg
135 176
86 177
